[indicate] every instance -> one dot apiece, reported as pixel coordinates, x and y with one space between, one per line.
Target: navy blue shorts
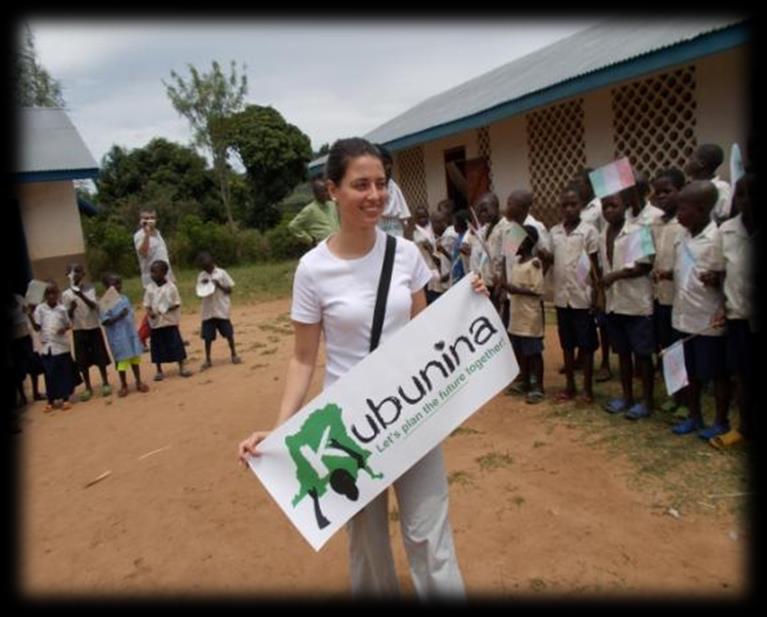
705 357
577 329
600 317
741 344
665 334
527 345
209 327
631 334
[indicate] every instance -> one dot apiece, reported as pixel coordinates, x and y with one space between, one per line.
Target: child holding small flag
576 247
703 163
526 325
698 299
738 235
626 264
666 233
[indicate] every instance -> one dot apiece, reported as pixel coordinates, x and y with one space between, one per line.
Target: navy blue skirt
167 345
61 376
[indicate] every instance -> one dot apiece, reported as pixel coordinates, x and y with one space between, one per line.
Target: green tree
34 86
274 153
169 177
206 100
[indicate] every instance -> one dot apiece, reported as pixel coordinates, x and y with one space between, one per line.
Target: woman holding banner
334 293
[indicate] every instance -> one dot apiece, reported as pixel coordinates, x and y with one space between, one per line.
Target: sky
330 78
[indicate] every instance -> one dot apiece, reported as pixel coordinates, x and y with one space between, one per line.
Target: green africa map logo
324 453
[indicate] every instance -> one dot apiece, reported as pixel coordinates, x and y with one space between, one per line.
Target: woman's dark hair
343 151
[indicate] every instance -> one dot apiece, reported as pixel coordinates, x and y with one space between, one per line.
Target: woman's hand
478 285
248 446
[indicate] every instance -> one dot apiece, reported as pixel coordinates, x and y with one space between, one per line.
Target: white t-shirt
395 211
84 317
156 250
160 299
217 304
341 294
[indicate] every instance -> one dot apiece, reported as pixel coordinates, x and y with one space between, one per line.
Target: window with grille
483 147
654 120
555 142
412 177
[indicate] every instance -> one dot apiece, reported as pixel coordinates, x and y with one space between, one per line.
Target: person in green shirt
318 219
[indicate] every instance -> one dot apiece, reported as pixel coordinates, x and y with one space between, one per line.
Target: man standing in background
317 219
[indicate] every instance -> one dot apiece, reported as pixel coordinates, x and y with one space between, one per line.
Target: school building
649 89
45 214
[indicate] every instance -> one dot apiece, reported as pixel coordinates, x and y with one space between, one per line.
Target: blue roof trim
57 176
699 47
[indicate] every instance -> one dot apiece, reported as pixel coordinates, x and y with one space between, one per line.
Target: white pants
422 495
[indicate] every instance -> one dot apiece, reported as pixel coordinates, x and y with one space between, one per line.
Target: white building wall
511 169
724 99
51 219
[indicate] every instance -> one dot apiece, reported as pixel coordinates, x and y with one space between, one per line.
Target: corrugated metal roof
48 142
606 44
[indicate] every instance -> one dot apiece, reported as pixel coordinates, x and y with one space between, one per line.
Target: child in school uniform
80 301
698 299
440 256
118 322
666 233
628 304
738 237
163 306
51 320
23 356
215 308
461 251
574 295
526 325
642 210
703 163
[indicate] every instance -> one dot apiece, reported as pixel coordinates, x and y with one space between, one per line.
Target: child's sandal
142 387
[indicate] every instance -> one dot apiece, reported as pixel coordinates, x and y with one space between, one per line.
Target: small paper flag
35 291
109 299
638 244
583 268
686 265
736 165
674 369
515 235
612 178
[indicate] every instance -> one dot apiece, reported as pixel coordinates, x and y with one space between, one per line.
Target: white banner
359 435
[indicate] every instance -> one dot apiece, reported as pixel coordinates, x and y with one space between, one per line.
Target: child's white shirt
738 253
51 320
568 248
666 234
695 303
218 304
160 299
84 318
628 296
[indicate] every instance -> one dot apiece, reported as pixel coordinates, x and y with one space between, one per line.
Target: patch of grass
460 477
518 501
253 282
684 468
464 430
493 461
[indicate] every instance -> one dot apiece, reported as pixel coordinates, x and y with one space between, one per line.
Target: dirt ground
536 511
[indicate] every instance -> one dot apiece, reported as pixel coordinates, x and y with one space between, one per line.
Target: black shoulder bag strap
383 291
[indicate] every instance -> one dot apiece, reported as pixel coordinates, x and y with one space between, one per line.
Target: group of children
690 280
41 341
